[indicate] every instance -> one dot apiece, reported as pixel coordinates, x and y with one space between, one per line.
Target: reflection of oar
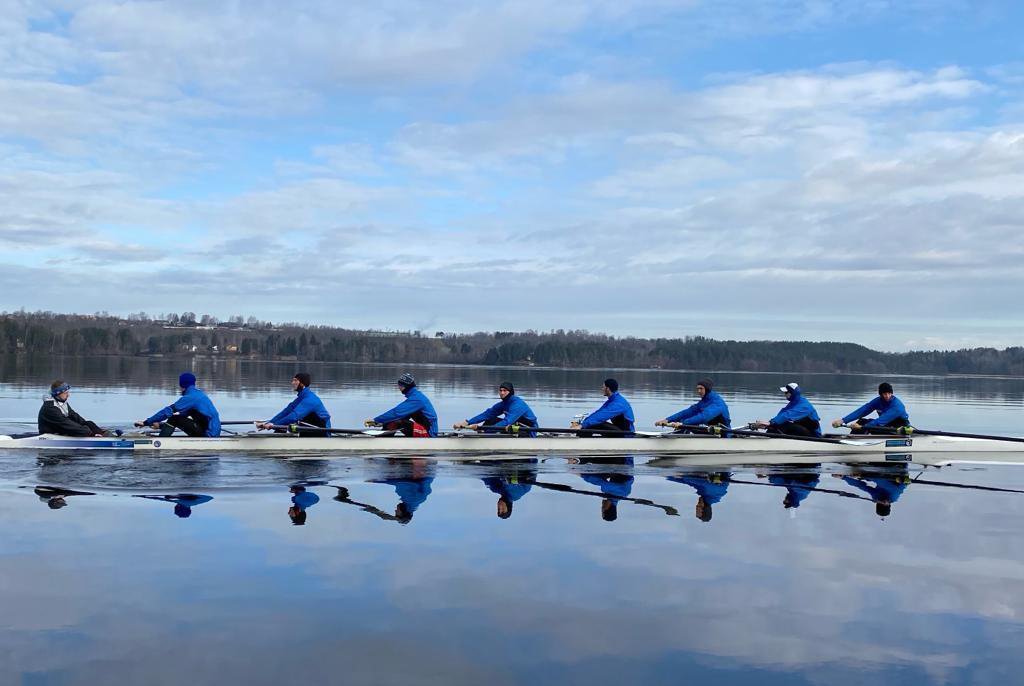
669 510
979 488
845 494
342 497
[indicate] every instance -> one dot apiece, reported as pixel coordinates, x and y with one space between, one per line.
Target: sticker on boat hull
899 442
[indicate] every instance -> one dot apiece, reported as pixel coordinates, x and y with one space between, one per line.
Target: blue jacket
798 487
620 485
796 409
887 411
191 399
513 407
704 410
503 486
306 402
415 403
613 407
706 486
412 492
884 490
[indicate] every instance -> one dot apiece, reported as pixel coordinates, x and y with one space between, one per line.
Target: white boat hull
501 445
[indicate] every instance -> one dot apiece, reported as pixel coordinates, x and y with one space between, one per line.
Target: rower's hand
475 427
574 425
263 425
460 425
836 423
759 424
370 422
854 425
661 422
674 425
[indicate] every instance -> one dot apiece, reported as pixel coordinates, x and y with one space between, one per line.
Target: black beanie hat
304 378
884 387
706 383
507 385
612 385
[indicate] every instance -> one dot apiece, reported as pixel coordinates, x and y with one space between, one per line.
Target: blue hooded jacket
503 486
798 487
513 407
415 403
191 399
613 407
887 411
306 402
796 409
706 486
704 410
884 490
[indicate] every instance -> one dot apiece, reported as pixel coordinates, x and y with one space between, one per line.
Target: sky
789 169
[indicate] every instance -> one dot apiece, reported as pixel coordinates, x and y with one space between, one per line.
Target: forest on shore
180 335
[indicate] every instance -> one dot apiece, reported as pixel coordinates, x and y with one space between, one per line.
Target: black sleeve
53 421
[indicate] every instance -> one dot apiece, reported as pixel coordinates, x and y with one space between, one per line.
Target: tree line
186 334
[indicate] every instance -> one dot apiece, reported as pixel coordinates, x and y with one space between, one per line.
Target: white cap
791 386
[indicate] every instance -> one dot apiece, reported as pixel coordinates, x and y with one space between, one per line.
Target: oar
970 486
241 421
557 430
669 510
761 434
293 428
910 431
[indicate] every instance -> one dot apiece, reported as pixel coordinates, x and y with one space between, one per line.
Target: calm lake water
256 570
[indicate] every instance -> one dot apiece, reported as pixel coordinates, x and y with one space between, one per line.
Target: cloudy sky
812 169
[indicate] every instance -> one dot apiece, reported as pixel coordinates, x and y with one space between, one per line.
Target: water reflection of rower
615 484
412 486
886 489
710 486
302 500
54 497
798 484
183 502
511 485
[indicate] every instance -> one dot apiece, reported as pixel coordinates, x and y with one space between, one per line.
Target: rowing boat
666 443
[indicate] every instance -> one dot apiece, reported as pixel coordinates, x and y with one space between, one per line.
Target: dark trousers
404 426
311 418
193 424
802 427
607 426
894 424
521 423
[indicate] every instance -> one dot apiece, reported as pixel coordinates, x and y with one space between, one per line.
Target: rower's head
186 380
402 513
182 511
885 391
56 502
703 509
883 508
504 507
60 390
506 389
791 390
611 386
297 515
609 510
405 382
704 387
301 380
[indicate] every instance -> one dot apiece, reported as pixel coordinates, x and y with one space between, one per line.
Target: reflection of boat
679 444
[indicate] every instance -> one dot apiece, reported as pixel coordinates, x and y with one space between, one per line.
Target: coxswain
414 411
193 412
614 415
797 418
890 409
307 408
710 410
511 410
57 417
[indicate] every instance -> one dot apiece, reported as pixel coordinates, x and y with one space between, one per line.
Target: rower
307 408
302 500
887 488
890 409
511 487
57 417
710 409
797 418
510 411
615 414
710 486
193 412
415 411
